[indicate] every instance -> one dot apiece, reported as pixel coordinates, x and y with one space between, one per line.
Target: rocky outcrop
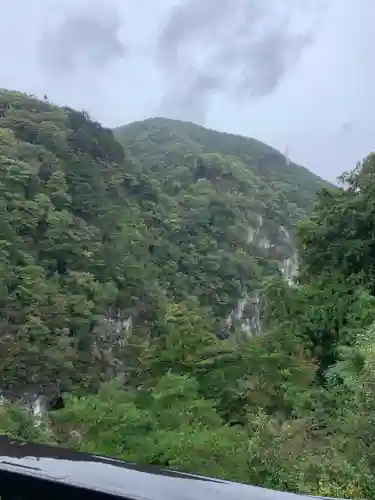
37 398
246 317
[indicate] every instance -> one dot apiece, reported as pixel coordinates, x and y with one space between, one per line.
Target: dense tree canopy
132 277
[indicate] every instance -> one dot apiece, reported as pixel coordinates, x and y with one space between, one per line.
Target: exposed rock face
118 323
278 247
38 398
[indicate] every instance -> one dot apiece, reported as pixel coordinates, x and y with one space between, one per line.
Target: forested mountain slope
238 192
161 143
121 282
64 206
95 239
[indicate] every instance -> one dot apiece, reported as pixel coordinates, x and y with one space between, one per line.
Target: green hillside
150 306
161 142
209 174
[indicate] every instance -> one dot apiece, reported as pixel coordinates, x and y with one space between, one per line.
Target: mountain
134 283
95 239
243 193
165 142
63 205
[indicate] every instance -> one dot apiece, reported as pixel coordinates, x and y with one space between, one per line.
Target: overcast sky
296 73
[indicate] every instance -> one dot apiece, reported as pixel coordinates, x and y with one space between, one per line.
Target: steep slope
73 249
242 192
162 142
91 242
95 241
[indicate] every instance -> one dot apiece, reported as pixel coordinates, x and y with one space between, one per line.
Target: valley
182 297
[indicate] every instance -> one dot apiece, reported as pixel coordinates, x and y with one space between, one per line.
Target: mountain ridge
213 213
187 158
135 283
263 160
255 142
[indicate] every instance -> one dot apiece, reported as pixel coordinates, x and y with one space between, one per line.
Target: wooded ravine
177 296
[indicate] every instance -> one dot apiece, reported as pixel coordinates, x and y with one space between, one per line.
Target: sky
296 74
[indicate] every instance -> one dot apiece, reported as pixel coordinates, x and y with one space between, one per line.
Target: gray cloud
189 96
242 47
87 37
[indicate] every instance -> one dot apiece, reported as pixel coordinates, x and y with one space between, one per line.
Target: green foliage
209 192
324 315
120 270
17 423
54 287
165 143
